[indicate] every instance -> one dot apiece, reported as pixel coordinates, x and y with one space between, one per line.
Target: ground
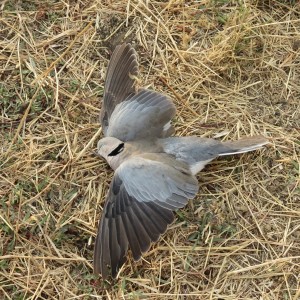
232 69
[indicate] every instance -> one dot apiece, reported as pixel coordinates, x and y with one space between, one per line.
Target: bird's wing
144 115
139 205
120 81
128 114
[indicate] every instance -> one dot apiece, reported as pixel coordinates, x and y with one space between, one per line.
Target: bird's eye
117 150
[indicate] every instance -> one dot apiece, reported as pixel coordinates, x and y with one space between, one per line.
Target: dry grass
233 69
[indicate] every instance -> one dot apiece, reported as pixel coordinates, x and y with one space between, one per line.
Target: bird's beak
96 154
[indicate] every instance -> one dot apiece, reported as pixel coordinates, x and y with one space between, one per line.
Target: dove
155 172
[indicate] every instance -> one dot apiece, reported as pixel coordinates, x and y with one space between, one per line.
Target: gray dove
154 171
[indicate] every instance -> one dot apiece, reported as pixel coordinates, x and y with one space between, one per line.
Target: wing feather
143 115
134 220
126 113
119 82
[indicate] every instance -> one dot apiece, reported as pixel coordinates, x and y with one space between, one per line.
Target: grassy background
232 68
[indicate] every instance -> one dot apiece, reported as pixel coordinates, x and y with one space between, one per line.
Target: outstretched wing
139 205
119 82
144 115
128 114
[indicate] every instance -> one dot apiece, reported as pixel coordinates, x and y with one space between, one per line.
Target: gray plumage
154 172
140 116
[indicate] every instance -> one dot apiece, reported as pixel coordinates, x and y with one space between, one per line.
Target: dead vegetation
233 69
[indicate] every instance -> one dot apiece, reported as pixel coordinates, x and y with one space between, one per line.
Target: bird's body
154 171
195 151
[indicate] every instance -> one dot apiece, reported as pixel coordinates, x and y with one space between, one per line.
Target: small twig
177 96
45 73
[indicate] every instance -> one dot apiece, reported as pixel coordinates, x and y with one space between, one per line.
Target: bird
154 171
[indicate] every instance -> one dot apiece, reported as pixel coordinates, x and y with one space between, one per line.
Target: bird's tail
243 145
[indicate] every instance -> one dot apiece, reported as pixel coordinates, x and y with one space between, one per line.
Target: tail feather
244 145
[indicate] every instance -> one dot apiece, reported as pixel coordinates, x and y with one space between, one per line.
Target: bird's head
110 148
